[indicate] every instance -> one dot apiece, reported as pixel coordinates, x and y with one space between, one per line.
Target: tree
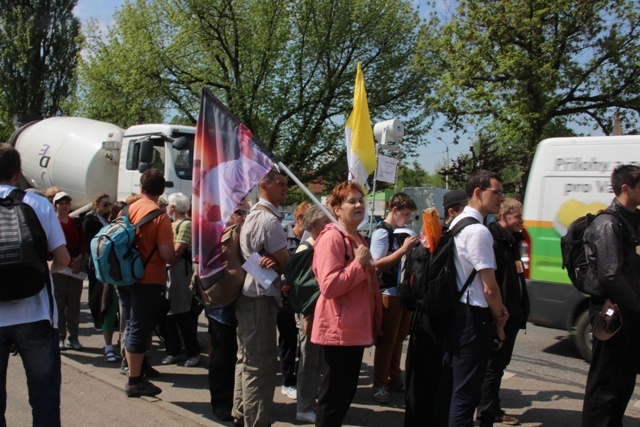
514 69
40 43
413 176
284 68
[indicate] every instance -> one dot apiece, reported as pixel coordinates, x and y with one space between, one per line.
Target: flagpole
304 188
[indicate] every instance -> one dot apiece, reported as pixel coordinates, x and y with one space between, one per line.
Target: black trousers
612 375
222 363
179 328
467 347
287 344
423 369
489 406
339 384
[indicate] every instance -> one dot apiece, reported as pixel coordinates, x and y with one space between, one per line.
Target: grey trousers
257 365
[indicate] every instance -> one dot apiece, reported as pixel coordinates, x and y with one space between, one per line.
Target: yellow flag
361 153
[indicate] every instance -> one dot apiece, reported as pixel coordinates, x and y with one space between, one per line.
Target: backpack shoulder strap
455 230
16 194
390 234
148 218
462 224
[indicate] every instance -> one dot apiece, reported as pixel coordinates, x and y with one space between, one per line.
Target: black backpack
388 278
430 284
23 249
574 257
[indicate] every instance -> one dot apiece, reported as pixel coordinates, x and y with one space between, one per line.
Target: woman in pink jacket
348 314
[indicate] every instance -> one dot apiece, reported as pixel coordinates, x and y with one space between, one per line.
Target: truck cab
168 148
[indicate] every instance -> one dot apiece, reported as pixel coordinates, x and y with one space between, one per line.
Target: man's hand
268 261
408 244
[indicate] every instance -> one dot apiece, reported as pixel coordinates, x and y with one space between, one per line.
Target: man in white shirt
31 323
480 315
257 307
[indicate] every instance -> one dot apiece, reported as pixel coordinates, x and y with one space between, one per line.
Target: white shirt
35 308
474 249
262 232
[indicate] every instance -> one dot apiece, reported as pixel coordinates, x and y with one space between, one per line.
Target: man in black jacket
611 243
510 276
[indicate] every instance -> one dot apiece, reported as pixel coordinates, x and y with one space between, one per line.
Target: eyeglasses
240 212
498 193
105 204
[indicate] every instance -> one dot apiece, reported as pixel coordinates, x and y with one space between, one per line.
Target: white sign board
387 167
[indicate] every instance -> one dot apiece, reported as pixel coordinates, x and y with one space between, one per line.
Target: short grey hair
311 217
180 201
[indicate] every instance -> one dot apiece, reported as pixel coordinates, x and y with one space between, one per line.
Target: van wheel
582 337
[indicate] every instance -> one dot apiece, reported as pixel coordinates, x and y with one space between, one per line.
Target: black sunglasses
240 212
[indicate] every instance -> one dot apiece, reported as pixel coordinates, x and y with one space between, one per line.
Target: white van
569 177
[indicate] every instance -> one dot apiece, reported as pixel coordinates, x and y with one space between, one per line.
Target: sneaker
171 360
381 395
143 388
396 387
148 370
306 417
507 420
61 345
290 392
74 344
192 361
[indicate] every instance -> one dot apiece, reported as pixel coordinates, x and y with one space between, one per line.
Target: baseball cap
59 196
454 197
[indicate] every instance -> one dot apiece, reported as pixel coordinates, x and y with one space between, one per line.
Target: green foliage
413 176
40 43
284 68
521 70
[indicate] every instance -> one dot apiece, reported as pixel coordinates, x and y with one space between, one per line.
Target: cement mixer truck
83 157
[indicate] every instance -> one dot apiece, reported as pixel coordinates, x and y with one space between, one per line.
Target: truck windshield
183 159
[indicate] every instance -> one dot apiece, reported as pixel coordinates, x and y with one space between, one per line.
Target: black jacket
513 287
614 265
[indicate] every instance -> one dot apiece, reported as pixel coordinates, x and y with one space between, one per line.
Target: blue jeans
37 343
140 306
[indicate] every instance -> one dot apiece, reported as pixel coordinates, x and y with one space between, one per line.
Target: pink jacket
343 315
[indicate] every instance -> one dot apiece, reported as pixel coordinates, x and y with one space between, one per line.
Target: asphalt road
543 386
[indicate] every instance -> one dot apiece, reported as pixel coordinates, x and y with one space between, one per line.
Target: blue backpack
113 252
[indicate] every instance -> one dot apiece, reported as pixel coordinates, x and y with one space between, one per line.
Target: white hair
180 201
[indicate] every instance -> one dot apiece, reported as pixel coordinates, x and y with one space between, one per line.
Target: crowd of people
454 364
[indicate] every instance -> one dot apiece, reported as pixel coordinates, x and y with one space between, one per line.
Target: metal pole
375 175
446 178
309 193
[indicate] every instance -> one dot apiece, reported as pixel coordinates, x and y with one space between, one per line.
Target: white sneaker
290 392
171 360
192 361
307 417
381 395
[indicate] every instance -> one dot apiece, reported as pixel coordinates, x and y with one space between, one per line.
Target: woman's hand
362 254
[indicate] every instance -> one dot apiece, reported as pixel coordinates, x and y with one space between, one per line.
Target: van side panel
569 177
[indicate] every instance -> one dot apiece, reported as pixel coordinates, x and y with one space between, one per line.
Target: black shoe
223 414
143 388
148 370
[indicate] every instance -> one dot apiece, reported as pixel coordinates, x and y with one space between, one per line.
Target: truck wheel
582 337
